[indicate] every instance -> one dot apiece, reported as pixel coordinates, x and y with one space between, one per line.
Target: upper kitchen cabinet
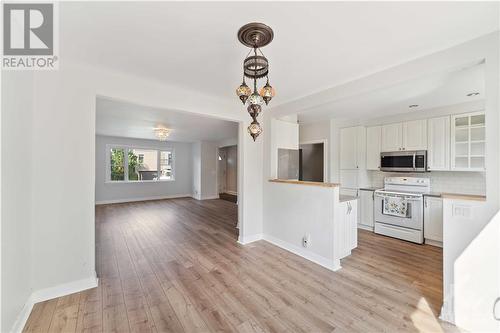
410 135
373 147
415 135
352 148
438 140
468 142
392 137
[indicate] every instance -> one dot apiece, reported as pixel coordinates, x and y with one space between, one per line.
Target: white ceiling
316 46
117 118
442 89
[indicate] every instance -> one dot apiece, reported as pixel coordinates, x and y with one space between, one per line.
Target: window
143 165
117 163
166 165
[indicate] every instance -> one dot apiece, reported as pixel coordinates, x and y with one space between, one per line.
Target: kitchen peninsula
311 219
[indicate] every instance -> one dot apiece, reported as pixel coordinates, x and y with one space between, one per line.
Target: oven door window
401 161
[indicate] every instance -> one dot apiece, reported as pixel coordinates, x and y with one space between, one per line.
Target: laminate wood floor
174 266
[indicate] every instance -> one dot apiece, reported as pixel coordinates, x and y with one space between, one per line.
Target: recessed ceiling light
413 106
472 94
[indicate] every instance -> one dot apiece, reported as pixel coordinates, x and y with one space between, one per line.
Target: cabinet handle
425 202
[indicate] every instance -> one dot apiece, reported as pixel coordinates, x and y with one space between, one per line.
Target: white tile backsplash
441 181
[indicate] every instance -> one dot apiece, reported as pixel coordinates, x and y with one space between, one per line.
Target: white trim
159 197
331 264
211 197
433 242
325 154
231 192
50 293
365 227
126 148
447 313
138 181
249 239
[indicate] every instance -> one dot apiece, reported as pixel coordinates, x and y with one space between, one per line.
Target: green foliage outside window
118 163
133 162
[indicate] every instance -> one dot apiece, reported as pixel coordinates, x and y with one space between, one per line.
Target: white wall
16 227
250 176
205 170
196 151
106 192
284 134
300 210
209 170
471 264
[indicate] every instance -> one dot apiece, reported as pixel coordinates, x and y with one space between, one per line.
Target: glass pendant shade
254 129
243 91
255 99
267 92
254 110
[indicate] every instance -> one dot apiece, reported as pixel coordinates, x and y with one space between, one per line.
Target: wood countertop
344 198
458 196
301 182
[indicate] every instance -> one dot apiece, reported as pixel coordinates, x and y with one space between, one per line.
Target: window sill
137 181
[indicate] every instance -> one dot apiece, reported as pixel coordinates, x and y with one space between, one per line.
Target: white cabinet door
438 140
433 219
366 211
353 224
468 142
360 147
392 137
348 148
415 135
373 141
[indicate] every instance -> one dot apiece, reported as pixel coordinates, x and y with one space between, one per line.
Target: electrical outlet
306 240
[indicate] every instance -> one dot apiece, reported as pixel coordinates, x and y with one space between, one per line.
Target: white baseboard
331 264
433 243
231 192
50 293
160 197
211 197
249 239
365 227
447 313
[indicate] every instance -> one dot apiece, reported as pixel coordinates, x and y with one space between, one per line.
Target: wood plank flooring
174 266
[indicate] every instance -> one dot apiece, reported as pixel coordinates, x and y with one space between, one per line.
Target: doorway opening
312 162
228 173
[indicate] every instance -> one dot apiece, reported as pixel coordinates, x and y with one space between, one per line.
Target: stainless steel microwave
404 161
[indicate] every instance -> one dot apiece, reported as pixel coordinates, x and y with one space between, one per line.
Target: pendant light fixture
162 133
255 66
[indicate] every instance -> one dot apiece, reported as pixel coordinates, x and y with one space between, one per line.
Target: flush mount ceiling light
162 133
472 94
255 66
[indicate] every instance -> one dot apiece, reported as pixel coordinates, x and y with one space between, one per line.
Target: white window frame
126 148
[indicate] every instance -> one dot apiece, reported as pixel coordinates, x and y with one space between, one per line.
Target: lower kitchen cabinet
348 239
433 220
366 220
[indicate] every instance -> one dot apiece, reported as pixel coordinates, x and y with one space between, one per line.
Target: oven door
414 216
404 161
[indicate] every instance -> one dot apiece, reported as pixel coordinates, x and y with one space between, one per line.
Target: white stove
399 209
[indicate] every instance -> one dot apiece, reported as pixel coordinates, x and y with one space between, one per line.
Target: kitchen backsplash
449 181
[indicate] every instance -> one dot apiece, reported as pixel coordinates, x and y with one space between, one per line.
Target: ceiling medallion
256 66
162 133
